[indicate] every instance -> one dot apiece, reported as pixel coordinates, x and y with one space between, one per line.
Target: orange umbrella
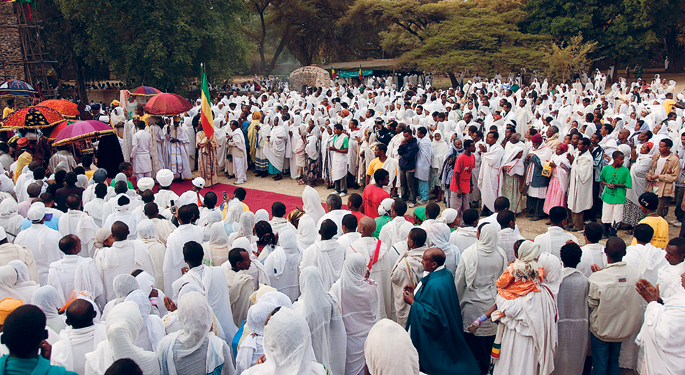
32 118
65 107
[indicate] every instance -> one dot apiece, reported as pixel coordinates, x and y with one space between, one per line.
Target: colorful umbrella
32 118
82 130
167 105
145 91
17 88
65 107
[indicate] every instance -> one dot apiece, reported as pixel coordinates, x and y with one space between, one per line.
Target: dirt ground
529 229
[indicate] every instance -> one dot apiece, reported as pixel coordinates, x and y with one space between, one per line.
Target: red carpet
255 199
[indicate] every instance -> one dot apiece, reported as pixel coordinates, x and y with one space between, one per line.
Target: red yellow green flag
360 73
206 116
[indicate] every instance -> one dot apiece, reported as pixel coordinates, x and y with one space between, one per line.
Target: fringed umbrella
82 130
66 108
145 91
15 87
167 105
32 118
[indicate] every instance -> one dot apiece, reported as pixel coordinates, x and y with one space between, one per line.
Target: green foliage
159 43
566 59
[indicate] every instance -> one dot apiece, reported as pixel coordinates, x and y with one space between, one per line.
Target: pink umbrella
82 130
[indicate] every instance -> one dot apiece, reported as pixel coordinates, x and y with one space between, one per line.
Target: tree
566 59
159 42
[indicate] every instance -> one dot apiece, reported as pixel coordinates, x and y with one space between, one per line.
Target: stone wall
309 76
11 56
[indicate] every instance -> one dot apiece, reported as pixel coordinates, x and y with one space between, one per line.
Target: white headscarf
439 236
287 347
389 350
440 150
123 327
233 212
553 271
306 231
24 286
311 203
487 244
245 226
8 277
287 249
153 326
47 299
197 318
147 230
217 236
385 206
448 216
261 215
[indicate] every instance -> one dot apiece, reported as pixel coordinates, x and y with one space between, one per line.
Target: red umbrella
167 105
32 118
82 130
145 91
58 128
65 107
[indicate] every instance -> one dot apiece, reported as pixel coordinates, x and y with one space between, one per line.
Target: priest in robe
434 322
212 282
177 142
580 187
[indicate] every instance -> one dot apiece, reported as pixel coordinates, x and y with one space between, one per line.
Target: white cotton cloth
260 215
320 310
173 258
194 349
358 303
439 236
216 250
252 347
328 256
74 273
43 243
10 220
24 286
152 330
663 335
380 270
82 225
70 351
149 235
305 235
47 300
8 277
283 265
123 326
311 204
287 347
123 257
389 350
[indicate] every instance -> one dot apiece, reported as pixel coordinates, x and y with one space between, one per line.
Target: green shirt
130 185
346 141
611 175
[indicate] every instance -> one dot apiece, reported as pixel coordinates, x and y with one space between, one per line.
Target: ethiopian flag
333 73
360 73
206 116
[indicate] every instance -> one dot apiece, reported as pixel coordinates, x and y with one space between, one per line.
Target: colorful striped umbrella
15 87
145 91
82 130
167 105
64 107
32 118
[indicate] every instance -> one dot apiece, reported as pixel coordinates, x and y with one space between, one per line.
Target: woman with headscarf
439 236
389 350
261 215
287 347
147 233
528 330
47 299
283 265
243 228
10 220
217 248
383 215
641 164
358 303
252 132
123 327
312 165
481 265
152 330
123 285
8 278
311 204
194 349
24 286
320 309
558 184
450 217
252 347
440 149
306 236
233 213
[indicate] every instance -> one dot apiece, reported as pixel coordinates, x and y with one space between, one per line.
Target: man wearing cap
41 240
10 252
164 195
192 196
122 211
140 153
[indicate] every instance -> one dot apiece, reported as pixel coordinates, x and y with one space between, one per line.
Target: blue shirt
52 223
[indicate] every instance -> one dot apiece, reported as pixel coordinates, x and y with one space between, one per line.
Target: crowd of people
104 269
